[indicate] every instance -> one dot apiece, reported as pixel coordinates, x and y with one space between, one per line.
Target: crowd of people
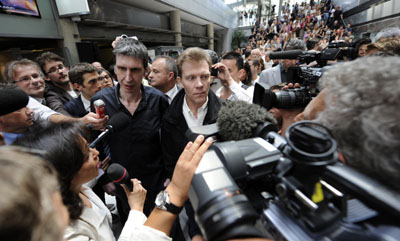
320 22
48 118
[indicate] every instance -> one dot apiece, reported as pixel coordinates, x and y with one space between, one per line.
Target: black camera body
297 187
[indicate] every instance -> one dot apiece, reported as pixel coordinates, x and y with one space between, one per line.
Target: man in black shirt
137 147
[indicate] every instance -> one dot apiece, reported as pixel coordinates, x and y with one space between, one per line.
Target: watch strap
172 208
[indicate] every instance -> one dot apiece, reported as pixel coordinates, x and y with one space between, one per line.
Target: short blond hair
193 54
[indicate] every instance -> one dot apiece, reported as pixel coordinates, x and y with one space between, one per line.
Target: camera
214 72
295 186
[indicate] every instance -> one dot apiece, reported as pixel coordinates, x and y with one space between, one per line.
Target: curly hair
62 147
238 119
362 110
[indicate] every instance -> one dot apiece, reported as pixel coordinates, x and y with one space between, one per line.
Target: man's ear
179 81
170 76
77 86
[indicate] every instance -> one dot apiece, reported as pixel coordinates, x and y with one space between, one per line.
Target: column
210 34
70 33
175 20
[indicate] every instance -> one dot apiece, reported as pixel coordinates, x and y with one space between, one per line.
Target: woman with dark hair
66 148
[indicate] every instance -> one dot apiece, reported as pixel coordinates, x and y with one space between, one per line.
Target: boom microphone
117 122
240 120
290 54
118 174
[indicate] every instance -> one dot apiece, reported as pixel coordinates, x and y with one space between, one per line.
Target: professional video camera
306 76
296 187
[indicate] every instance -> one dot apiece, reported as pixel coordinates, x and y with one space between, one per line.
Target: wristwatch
163 202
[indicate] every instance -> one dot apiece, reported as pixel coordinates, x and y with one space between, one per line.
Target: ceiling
160 7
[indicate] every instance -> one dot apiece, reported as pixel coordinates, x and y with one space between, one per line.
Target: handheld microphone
290 54
239 120
117 122
118 174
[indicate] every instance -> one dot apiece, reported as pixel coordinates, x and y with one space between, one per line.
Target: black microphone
118 174
117 122
290 54
239 120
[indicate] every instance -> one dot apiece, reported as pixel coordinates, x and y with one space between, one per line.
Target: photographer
363 115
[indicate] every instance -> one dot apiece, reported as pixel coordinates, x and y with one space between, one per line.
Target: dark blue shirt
138 147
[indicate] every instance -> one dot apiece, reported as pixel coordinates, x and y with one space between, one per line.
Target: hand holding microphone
135 192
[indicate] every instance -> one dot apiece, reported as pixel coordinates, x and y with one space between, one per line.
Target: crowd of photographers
49 112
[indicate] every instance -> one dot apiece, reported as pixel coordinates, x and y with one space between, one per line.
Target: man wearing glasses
27 75
59 89
86 79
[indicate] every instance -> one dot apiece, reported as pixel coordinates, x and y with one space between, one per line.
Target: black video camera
307 77
295 186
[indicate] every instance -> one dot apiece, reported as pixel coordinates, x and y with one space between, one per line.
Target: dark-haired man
59 89
84 78
138 146
231 72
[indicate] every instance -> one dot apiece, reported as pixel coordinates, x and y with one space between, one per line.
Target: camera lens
289 99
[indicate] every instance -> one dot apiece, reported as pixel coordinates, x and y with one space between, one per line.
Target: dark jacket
173 129
137 147
75 107
173 139
56 98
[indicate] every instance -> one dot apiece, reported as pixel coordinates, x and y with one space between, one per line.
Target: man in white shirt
163 76
194 105
84 78
231 72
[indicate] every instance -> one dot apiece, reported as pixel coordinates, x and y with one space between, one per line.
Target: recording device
116 123
296 187
214 72
118 174
306 76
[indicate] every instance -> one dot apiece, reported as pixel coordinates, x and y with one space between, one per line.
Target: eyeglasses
28 78
55 69
102 78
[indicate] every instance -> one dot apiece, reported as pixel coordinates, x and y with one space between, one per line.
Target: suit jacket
75 107
271 76
56 98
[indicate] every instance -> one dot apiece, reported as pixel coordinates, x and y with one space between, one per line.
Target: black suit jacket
56 98
75 107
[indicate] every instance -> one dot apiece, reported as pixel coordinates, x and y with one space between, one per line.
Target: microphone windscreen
290 54
117 173
238 119
119 121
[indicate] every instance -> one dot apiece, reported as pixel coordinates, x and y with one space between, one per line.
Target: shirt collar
171 93
86 103
202 109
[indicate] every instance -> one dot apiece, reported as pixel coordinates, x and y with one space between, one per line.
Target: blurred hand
97 123
110 188
223 74
185 168
105 163
137 197
114 43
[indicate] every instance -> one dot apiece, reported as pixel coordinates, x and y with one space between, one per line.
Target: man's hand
185 168
97 123
114 43
223 74
110 188
137 197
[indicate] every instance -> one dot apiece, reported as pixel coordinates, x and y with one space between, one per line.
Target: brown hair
193 54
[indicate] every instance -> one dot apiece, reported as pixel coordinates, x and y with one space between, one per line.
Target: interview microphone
118 174
239 120
117 122
290 54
